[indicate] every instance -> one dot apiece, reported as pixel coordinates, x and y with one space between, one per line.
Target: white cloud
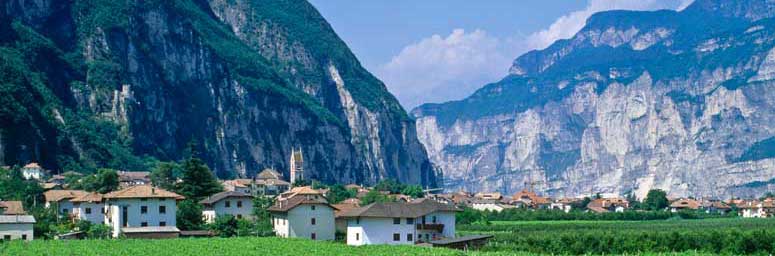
566 26
439 68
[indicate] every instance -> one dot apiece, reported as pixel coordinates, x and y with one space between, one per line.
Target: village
140 209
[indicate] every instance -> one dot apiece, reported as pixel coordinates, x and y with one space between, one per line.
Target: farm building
142 211
237 204
304 213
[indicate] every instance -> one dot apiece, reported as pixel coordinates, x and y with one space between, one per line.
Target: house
490 205
341 208
60 200
142 211
33 171
715 207
239 185
564 204
757 208
15 223
602 205
530 199
237 204
89 207
684 204
303 213
270 182
421 220
489 196
128 179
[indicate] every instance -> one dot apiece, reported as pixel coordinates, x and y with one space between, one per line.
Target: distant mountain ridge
681 101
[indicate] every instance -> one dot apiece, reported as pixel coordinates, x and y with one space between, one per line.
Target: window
162 209
239 204
64 210
357 236
162 224
228 203
143 199
396 237
409 237
433 219
144 209
396 221
143 224
7 237
409 221
313 207
357 220
239 216
24 237
313 236
313 221
88 210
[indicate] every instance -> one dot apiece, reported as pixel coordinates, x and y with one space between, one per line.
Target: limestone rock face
680 101
237 83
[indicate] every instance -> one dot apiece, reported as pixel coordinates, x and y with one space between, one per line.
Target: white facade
13 231
63 207
90 211
128 212
489 206
310 221
563 207
32 173
239 207
380 230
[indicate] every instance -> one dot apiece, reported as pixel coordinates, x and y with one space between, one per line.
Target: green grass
714 236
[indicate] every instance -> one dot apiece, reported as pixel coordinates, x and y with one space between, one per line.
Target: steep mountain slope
239 83
681 101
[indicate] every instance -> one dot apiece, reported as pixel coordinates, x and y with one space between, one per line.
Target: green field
672 237
716 236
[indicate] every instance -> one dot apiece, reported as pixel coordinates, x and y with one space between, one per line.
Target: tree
263 218
633 201
98 231
374 196
656 199
107 181
581 204
338 193
301 183
198 182
415 191
13 186
189 215
165 175
225 225
389 185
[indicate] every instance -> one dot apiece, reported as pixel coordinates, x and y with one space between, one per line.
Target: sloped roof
223 195
686 203
128 176
412 209
269 174
56 195
143 191
290 203
32 165
239 183
92 197
532 196
12 208
8 219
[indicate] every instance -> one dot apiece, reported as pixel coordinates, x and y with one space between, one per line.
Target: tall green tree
655 200
263 218
189 215
338 193
107 181
166 174
198 182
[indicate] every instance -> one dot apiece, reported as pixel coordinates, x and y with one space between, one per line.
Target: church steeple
297 165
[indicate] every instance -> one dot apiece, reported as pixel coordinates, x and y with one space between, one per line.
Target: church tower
297 165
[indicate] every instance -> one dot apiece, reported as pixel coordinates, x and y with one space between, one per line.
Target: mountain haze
682 101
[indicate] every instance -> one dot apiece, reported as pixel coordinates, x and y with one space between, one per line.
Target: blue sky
441 50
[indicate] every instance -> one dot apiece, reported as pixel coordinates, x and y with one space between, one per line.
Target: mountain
239 83
681 101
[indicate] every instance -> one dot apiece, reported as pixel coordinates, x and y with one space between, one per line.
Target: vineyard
713 236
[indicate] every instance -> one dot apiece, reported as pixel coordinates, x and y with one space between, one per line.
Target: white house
490 205
758 209
128 179
142 211
32 171
237 204
89 207
14 221
303 214
60 199
421 220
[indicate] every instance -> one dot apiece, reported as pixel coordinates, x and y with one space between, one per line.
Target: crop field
731 236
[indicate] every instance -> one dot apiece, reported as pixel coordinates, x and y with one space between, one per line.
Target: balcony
435 227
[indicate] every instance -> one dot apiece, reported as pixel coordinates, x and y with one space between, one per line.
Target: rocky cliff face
681 101
239 83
